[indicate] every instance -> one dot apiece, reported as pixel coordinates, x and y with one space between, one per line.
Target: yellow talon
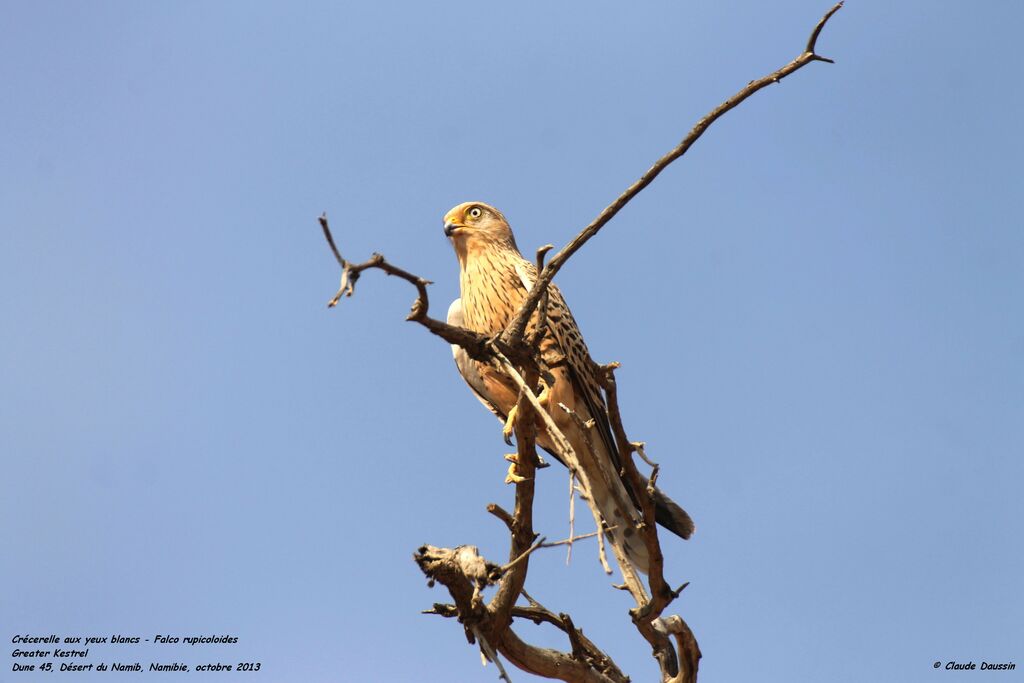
510 422
513 476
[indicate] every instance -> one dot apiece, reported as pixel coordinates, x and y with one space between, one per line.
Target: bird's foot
510 423
513 476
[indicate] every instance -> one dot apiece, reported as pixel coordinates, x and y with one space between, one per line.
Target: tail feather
669 515
622 533
666 513
608 494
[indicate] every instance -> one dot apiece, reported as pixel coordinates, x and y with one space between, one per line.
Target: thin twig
491 655
812 42
330 239
602 554
477 345
572 539
638 446
572 516
542 315
526 553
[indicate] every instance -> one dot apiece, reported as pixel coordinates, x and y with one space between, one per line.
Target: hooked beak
449 228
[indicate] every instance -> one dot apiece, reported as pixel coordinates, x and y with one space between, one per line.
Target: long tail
666 513
614 500
671 516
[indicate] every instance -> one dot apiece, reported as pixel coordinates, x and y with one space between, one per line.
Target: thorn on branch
541 252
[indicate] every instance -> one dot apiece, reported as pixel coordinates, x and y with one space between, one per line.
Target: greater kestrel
494 280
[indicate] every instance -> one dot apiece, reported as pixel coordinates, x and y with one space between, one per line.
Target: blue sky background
818 311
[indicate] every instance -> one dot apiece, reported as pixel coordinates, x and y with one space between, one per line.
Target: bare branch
542 316
553 664
458 570
572 516
812 42
502 514
476 345
515 329
330 240
522 525
647 609
686 643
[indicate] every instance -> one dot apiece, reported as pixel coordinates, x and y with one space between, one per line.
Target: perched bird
494 281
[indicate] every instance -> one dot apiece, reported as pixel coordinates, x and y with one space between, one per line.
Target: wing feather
468 368
582 373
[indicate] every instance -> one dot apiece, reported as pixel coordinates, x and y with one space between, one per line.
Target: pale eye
475 212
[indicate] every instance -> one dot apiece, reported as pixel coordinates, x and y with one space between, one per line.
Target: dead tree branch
476 345
462 570
648 610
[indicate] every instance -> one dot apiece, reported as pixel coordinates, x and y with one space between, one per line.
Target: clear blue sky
818 311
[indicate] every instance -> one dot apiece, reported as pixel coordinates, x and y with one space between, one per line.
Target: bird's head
473 226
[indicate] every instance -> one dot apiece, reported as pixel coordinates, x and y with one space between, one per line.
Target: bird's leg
544 397
510 422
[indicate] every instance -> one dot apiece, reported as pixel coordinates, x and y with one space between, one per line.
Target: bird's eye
475 212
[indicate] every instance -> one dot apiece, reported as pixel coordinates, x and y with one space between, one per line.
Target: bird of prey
494 281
